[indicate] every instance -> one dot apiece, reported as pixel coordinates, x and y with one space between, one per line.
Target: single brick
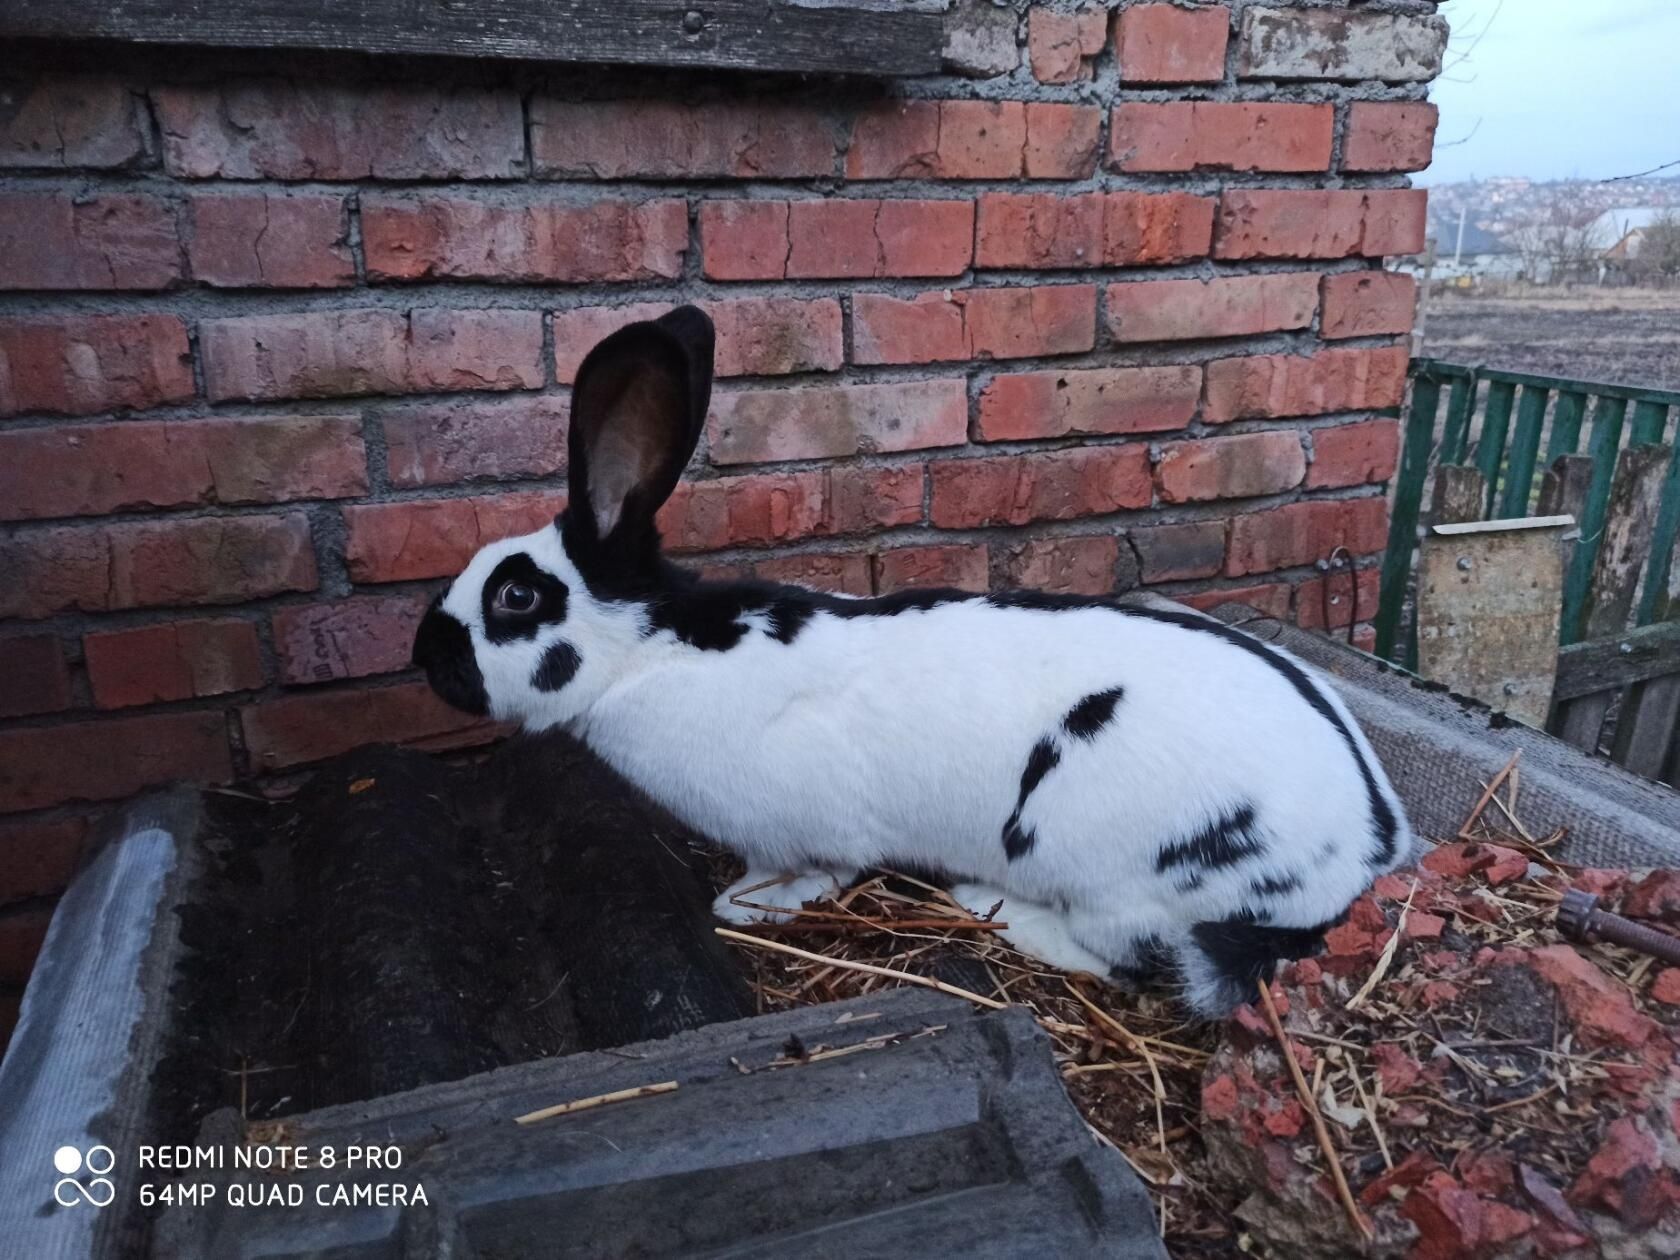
1354 454
864 238
111 758
315 725
1117 229
1389 136
1226 306
37 859
845 574
1241 467
1181 136
1396 221
1083 565
996 323
1305 533
1339 44
321 354
503 439
957 139
1177 553
78 364
270 241
432 236
1060 46
35 678
1162 43
429 538
1271 599
1344 597
755 426
782 507
62 122
349 638
1319 223
835 239
1062 141
757 336
175 660
1368 303
1088 400
646 139
318 130
95 469
1042 486
1273 385
956 566
141 564
744 240
980 39
109 241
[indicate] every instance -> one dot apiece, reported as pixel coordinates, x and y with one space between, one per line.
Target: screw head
693 22
1464 564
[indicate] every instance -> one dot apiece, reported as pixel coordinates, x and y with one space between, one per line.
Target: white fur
901 740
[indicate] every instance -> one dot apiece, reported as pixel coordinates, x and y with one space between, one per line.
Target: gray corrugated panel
956 1136
77 1072
1440 749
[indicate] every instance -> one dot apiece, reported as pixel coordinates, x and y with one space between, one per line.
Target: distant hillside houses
1468 253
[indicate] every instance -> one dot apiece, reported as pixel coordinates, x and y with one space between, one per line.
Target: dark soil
1618 336
402 920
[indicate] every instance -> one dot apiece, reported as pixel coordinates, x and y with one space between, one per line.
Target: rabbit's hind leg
1039 931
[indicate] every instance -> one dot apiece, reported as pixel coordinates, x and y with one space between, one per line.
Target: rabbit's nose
444 649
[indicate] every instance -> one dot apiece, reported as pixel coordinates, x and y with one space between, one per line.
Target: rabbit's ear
637 409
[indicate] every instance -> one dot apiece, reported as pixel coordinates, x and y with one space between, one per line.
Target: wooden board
1460 492
1629 520
719 34
1489 595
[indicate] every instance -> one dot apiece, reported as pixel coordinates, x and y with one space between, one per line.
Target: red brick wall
281 343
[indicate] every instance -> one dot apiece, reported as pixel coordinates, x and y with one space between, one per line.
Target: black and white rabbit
1138 787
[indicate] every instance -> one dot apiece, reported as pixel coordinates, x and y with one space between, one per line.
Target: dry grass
1134 1064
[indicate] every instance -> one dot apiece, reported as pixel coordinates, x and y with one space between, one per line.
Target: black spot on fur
558 667
1384 824
503 626
1224 842
1275 885
443 648
1244 951
1040 761
1091 714
1016 840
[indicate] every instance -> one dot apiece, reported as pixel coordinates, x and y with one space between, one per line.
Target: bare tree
1564 244
1657 255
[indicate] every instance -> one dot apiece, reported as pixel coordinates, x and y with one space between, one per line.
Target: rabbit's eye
516 597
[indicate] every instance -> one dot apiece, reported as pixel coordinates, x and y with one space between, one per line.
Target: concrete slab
941 1130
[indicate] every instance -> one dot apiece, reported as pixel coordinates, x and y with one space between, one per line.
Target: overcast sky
1558 88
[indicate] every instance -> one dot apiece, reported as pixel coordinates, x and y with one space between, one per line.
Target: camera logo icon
99 1191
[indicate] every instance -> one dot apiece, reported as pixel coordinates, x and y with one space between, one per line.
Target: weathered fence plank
1629 517
1610 664
1460 491
719 35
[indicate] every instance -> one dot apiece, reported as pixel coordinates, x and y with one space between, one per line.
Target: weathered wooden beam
716 34
1622 552
1460 491
1610 664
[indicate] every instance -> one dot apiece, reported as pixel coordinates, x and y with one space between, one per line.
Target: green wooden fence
1476 426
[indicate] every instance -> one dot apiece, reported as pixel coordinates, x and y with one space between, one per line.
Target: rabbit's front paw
763 897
